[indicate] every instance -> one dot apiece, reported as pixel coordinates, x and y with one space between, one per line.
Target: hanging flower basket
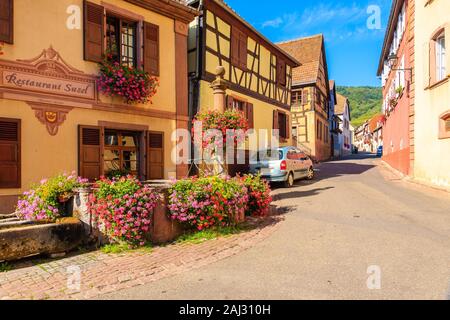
132 84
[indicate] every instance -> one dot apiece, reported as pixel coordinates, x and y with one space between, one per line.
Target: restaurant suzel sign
38 83
47 74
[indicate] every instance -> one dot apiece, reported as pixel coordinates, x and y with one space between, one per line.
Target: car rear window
270 155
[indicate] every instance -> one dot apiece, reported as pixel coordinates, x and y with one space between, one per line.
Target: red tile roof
340 104
308 51
373 123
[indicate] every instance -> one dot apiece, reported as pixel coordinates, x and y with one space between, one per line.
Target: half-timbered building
310 96
259 73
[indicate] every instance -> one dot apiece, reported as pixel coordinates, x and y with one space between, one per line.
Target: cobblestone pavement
104 273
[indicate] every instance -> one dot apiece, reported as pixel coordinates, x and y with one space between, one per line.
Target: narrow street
354 215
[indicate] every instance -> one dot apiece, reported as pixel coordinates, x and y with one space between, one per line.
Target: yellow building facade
432 93
310 104
258 74
52 118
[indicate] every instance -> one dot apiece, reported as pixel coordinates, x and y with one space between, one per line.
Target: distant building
310 96
369 136
342 110
334 121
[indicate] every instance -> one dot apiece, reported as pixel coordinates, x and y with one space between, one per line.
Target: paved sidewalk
104 273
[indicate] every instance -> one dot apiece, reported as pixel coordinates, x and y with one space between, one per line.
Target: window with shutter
243 50
155 155
90 157
239 48
6 21
151 48
281 72
93 32
10 153
121 40
250 116
283 125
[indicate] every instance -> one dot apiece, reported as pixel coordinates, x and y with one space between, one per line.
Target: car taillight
283 165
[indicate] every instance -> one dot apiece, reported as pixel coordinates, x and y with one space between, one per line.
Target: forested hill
365 102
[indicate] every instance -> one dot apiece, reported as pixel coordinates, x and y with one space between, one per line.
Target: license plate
265 171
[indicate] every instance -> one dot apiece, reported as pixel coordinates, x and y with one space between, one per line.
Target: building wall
263 111
41 24
432 154
305 119
396 133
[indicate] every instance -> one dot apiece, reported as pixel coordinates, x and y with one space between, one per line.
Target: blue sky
352 48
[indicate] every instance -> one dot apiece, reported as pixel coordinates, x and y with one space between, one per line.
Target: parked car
380 151
283 165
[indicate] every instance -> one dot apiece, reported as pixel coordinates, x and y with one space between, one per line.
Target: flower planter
162 229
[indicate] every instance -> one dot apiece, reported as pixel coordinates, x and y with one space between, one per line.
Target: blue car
380 151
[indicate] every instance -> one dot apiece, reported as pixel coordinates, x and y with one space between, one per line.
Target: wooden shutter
288 127
151 48
304 97
250 116
94 48
155 155
90 157
235 41
9 153
275 120
7 21
243 50
281 72
230 102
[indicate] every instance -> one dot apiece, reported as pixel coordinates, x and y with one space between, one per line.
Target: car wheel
310 175
289 183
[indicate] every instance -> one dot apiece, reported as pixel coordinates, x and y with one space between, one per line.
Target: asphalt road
356 232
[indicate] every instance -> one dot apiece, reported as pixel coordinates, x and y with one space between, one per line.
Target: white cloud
336 22
275 23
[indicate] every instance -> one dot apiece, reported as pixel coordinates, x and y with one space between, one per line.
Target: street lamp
392 61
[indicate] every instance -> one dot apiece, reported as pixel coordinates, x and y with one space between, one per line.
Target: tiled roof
308 52
340 104
373 123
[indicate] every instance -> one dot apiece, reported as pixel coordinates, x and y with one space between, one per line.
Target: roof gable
309 52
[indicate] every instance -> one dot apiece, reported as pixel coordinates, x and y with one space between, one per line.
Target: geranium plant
134 85
124 207
230 119
259 198
43 201
207 202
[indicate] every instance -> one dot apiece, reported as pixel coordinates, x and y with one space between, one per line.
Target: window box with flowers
399 92
133 85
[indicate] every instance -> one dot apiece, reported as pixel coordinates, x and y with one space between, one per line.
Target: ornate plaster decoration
50 116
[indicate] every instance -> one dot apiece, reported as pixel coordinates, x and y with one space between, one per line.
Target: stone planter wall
163 229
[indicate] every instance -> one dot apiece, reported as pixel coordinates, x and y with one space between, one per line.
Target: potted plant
399 91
